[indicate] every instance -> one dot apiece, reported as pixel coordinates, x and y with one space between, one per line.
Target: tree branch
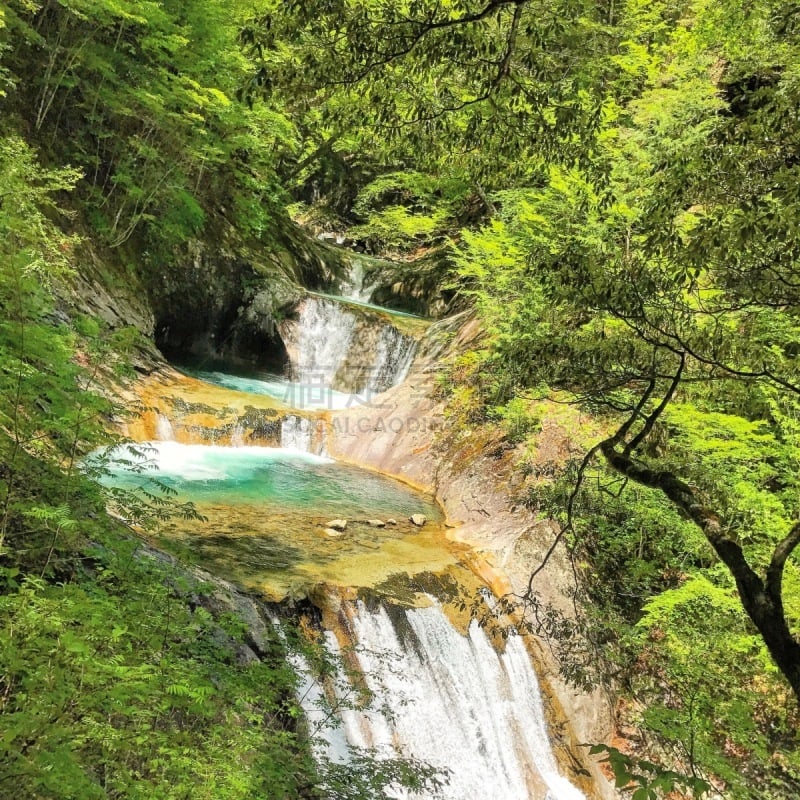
658 411
781 553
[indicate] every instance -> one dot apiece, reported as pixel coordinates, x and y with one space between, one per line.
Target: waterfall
326 331
336 346
393 359
296 433
353 286
164 430
456 703
237 435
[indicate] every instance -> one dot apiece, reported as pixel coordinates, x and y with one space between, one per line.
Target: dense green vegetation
113 684
139 96
628 178
614 187
120 677
663 297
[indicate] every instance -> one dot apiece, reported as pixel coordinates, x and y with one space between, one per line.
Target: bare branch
570 514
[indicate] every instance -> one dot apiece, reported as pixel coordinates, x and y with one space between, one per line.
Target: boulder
418 519
337 524
332 533
391 521
376 523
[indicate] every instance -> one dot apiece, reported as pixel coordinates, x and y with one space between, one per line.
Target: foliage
114 687
651 278
645 780
112 684
632 171
466 82
116 681
140 95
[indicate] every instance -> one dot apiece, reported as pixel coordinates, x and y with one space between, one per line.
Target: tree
677 281
495 86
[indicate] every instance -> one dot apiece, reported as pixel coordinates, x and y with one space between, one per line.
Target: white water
393 358
237 436
455 703
353 287
297 433
164 431
296 395
198 462
326 330
326 345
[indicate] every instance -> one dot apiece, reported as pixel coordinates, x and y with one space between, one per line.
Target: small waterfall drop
237 435
326 330
296 433
337 346
394 356
456 703
353 286
164 429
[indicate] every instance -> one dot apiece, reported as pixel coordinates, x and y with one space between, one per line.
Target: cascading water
456 703
164 429
354 287
394 356
326 329
297 433
237 436
334 344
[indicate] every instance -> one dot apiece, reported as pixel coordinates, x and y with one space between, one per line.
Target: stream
246 450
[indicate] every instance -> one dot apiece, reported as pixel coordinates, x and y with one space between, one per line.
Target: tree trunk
761 600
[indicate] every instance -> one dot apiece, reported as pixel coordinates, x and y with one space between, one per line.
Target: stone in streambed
333 533
376 523
418 519
369 545
391 522
337 524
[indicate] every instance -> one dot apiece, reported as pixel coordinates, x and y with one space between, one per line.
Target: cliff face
216 299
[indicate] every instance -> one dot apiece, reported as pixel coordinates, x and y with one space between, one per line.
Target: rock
418 519
369 545
391 521
332 533
376 523
337 524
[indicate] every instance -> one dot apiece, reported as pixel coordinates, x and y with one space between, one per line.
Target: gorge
461 336
286 520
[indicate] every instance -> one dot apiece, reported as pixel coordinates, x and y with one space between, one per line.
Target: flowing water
354 286
164 430
297 434
341 344
268 511
443 692
341 355
459 704
358 302
272 478
302 396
